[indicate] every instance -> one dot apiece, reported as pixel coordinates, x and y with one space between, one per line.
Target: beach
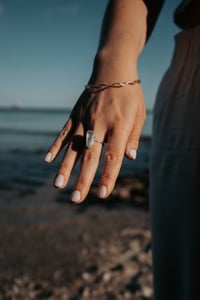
54 249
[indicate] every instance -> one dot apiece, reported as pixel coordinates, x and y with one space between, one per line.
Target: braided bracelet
103 86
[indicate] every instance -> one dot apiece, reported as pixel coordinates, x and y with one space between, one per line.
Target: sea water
25 136
35 129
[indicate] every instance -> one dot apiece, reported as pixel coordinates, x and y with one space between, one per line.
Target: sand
53 249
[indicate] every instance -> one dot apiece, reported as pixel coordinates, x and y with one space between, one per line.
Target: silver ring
91 139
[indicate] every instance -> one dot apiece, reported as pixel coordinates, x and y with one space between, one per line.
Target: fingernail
102 191
59 181
133 153
76 196
48 157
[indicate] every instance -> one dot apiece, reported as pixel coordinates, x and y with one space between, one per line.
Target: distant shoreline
35 109
45 109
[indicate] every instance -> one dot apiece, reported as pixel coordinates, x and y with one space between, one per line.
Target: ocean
25 136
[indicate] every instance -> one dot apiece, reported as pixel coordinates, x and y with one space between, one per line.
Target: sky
47 49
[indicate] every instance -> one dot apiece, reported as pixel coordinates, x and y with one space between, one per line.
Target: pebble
122 272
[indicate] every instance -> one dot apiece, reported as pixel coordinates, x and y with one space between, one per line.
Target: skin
116 115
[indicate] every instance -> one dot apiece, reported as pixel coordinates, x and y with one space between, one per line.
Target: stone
90 138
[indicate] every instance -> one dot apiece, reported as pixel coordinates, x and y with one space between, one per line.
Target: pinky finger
133 140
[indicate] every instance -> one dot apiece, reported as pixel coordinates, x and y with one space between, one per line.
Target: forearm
122 38
124 27
123 35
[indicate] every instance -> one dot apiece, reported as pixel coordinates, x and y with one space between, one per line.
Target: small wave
34 110
23 151
20 131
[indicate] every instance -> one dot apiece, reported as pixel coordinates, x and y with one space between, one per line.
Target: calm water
35 129
29 129
25 136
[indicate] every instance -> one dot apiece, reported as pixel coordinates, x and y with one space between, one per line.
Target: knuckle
57 142
65 129
81 183
112 156
63 169
88 156
134 138
54 147
107 177
119 118
134 144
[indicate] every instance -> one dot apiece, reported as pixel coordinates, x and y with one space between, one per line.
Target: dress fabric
175 174
181 10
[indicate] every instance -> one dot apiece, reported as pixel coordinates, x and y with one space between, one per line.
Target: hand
116 115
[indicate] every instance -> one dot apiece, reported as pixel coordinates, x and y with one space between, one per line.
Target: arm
116 115
122 38
126 27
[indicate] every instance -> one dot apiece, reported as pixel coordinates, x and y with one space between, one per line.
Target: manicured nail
48 157
133 153
102 191
59 181
76 196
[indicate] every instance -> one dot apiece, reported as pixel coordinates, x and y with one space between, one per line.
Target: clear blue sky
47 49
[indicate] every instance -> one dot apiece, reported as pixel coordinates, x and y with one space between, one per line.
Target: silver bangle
97 88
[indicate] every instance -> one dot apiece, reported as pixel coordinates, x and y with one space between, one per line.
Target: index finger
60 141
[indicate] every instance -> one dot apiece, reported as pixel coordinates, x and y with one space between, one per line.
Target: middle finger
89 164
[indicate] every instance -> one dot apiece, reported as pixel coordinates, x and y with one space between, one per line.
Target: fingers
112 162
115 127
89 164
68 162
60 141
133 140
117 146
